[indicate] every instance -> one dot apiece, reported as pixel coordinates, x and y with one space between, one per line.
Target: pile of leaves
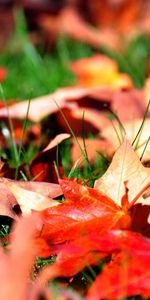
75 173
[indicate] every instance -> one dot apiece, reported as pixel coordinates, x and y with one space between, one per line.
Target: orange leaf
16 266
99 70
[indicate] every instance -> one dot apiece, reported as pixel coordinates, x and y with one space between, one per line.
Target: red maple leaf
114 203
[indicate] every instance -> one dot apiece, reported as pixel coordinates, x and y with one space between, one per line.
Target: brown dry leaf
131 129
15 266
29 200
46 105
129 105
111 19
81 30
56 141
73 98
47 189
100 70
125 167
96 107
8 201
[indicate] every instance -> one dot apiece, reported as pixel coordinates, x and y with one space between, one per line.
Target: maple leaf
93 247
131 128
28 195
127 274
84 209
125 167
32 195
73 101
99 70
80 29
114 202
96 106
45 105
16 266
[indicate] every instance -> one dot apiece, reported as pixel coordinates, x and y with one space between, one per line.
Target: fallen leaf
45 105
80 30
83 210
96 247
15 267
125 167
131 129
28 200
42 166
76 100
127 274
100 70
43 190
56 141
99 109
116 201
7 202
121 15
122 100
110 21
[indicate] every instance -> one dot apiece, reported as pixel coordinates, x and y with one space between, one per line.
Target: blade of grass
145 148
22 138
83 137
72 132
121 128
138 135
74 167
23 176
56 169
38 175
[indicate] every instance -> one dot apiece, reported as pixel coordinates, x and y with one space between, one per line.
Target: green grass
31 73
